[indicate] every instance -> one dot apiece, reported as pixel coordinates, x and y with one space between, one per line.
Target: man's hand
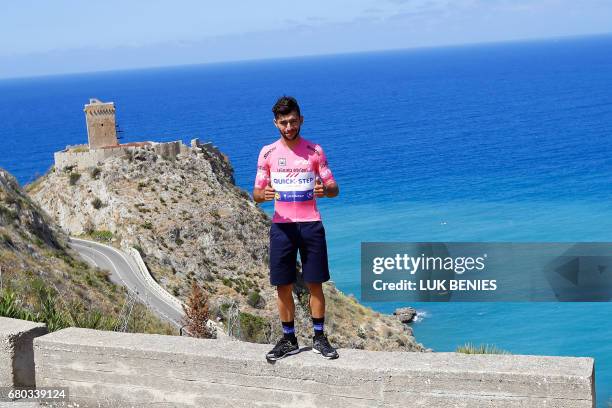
263 194
269 193
319 189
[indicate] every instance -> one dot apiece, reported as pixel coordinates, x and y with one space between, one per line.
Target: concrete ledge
16 351
118 369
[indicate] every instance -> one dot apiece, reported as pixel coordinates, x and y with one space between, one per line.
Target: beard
297 133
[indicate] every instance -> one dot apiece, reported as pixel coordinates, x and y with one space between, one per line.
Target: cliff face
44 280
22 222
190 222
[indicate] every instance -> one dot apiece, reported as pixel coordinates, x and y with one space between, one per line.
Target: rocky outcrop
44 280
19 214
191 223
405 314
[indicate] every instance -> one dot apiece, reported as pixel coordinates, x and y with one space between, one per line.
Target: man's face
289 125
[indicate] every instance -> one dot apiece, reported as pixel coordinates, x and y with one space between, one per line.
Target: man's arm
263 194
258 195
262 190
330 189
326 185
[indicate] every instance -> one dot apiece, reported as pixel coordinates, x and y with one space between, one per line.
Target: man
294 172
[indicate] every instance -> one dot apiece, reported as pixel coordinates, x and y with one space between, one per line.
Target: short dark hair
285 105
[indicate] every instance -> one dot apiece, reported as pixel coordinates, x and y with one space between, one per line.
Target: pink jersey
292 174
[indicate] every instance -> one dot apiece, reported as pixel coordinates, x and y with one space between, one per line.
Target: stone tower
100 117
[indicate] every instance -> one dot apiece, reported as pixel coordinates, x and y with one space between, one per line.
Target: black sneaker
283 348
320 345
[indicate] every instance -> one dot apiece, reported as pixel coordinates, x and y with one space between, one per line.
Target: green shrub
74 177
8 305
95 173
253 328
254 299
102 235
49 314
147 225
89 319
470 348
7 214
6 240
224 308
38 242
96 203
141 207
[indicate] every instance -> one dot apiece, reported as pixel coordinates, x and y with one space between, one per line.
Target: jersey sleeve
262 179
323 167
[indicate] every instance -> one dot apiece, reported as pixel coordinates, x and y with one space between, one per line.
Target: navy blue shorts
285 241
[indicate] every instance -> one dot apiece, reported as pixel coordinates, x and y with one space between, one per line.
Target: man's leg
286 311
317 299
284 300
283 253
320 343
315 268
317 307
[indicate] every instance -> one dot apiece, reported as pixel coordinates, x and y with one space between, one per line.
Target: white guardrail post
142 268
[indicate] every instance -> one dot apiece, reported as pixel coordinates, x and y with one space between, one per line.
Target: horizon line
348 53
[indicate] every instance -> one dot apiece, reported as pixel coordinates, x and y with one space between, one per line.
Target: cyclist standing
294 172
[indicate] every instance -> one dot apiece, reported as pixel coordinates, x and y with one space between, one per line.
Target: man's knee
315 288
284 290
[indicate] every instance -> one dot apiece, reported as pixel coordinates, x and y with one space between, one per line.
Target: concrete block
16 351
109 368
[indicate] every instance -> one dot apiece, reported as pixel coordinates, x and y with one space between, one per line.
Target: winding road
125 271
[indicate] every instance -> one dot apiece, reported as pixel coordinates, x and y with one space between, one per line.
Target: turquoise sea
507 142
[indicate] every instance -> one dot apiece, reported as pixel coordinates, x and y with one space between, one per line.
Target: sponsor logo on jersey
268 152
293 196
294 186
282 161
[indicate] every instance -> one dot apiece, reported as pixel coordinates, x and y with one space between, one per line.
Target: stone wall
17 352
91 158
84 160
168 150
105 369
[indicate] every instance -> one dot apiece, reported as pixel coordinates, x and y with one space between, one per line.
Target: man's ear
275 124
301 120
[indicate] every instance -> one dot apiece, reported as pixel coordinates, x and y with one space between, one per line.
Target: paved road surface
125 272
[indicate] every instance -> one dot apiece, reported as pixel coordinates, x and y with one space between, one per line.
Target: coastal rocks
405 314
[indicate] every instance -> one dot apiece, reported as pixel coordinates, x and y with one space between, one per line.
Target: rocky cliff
42 279
190 222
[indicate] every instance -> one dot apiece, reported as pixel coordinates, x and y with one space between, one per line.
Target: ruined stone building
103 142
101 124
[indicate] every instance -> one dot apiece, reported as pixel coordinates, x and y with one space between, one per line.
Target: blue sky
47 37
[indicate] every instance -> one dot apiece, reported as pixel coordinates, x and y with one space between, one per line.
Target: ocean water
506 142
